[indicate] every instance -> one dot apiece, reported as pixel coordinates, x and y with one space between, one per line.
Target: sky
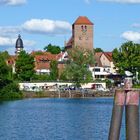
40 22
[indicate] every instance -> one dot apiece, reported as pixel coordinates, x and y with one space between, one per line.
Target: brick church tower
82 34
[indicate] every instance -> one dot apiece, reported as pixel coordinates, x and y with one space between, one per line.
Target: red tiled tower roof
83 20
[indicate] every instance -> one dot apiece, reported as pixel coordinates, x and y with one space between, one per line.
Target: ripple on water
56 119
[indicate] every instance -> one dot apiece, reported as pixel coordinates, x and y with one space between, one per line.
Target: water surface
56 119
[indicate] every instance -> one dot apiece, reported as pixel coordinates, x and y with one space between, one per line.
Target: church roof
83 20
19 42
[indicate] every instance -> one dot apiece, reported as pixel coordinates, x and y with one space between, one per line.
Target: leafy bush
41 77
10 91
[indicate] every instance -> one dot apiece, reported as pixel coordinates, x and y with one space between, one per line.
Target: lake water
56 119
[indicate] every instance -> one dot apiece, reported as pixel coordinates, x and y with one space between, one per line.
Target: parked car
98 87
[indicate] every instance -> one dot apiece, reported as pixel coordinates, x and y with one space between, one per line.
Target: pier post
132 115
130 98
117 113
132 111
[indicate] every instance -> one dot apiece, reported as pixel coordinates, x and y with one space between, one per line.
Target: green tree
25 66
53 70
127 57
4 69
52 49
5 55
8 88
77 66
43 77
98 50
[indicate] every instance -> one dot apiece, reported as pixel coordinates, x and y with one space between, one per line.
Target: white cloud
122 1
9 30
7 41
9 44
46 26
12 2
131 36
8 34
37 26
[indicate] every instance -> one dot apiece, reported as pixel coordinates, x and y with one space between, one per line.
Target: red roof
83 20
42 65
43 61
97 59
108 55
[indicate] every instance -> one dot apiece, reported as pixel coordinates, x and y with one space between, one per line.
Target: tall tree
25 66
4 69
77 66
53 70
5 55
8 88
52 49
127 57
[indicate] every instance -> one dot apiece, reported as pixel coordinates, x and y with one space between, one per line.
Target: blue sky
41 22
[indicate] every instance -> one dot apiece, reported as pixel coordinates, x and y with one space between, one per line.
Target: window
96 69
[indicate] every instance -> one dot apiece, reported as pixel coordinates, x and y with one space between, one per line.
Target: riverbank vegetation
127 57
8 88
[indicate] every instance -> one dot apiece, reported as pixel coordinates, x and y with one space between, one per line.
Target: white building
104 66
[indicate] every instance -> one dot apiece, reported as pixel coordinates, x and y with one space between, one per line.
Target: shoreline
65 94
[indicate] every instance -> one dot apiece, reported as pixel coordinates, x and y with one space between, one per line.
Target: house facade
104 66
43 60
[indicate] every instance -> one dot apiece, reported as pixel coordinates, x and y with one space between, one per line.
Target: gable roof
108 55
97 59
82 20
42 61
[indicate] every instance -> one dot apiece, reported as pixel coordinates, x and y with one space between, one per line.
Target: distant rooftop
83 20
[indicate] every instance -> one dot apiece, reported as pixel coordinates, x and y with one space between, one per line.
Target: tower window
82 27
